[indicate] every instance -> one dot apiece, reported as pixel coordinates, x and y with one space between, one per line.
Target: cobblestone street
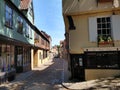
47 77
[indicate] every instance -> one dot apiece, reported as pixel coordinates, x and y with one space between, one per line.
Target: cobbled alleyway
47 77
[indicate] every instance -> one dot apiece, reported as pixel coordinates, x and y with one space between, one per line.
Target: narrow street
48 77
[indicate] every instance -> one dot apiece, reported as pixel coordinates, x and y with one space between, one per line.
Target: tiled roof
24 4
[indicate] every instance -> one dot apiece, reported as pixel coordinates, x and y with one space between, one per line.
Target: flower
109 39
103 39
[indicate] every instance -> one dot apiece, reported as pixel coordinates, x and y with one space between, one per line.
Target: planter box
105 44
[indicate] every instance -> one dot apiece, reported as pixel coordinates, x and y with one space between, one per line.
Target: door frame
19 69
77 71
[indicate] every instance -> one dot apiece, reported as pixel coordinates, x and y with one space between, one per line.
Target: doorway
77 67
19 59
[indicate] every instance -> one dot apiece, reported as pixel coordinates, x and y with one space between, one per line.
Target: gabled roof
24 4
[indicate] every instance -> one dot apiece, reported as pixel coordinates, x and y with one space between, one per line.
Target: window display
19 56
6 57
106 60
26 56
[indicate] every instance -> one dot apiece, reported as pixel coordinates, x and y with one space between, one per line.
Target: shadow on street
47 77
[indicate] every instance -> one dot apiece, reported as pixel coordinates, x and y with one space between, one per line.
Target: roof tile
24 4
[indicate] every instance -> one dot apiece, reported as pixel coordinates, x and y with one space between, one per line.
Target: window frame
8 23
103 21
30 32
27 30
20 22
98 63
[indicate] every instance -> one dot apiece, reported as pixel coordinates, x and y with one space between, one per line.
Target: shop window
20 25
12 56
19 56
26 56
6 57
8 16
105 60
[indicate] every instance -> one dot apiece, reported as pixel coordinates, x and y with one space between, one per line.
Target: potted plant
100 39
103 40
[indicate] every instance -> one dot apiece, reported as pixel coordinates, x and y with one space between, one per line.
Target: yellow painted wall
101 73
46 60
81 10
79 38
35 61
40 61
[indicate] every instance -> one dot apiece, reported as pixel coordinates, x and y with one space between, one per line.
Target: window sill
105 44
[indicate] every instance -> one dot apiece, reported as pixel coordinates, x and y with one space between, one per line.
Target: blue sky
48 17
